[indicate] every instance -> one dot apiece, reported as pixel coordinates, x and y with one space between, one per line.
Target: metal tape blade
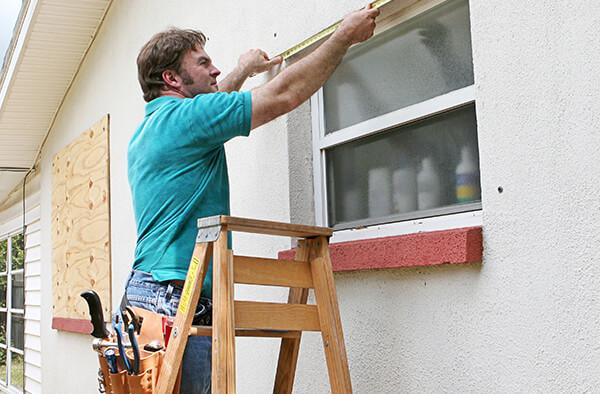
322 34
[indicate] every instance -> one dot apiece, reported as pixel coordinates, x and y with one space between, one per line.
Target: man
177 167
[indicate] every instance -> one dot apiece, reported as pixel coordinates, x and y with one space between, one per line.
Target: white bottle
428 185
467 177
404 183
380 192
352 205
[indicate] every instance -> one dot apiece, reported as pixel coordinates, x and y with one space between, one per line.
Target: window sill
456 246
80 326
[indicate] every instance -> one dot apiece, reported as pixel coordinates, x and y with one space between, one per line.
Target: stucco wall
527 320
524 320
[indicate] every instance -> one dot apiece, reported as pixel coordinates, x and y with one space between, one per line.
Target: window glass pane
17 370
3 364
421 166
422 58
3 284
18 291
3 254
18 251
3 328
17 331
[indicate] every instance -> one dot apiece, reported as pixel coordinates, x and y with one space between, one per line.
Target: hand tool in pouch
116 324
135 368
111 360
99 332
96 315
130 317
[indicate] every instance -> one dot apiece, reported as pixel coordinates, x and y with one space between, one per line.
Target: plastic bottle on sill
404 183
380 192
467 177
428 185
352 204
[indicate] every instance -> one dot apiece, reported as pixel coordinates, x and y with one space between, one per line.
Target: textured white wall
526 320
536 67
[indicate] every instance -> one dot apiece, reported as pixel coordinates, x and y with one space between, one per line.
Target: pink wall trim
72 325
456 246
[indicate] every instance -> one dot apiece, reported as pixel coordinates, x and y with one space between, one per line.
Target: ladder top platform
231 223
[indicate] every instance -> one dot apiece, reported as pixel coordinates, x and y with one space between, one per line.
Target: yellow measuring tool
323 33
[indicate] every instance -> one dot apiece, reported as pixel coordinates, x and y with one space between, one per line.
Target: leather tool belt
134 373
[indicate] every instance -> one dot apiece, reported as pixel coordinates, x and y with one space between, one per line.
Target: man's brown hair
164 51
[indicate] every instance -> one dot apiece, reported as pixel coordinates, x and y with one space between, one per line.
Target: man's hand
250 63
256 61
358 26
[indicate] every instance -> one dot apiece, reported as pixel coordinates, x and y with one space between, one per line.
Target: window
12 310
395 127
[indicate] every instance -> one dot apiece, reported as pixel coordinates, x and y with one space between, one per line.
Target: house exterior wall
525 319
33 302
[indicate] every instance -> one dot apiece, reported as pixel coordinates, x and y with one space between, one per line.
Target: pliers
130 317
133 322
134 348
116 324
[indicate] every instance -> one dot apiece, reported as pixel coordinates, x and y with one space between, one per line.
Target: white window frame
436 219
9 310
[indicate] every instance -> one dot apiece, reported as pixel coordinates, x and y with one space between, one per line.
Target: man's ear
171 79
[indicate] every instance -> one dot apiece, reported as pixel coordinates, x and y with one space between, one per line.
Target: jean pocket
203 313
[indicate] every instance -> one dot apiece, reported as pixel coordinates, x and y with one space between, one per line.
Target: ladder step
272 272
275 316
206 331
264 227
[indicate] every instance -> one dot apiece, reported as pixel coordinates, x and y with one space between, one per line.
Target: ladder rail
183 319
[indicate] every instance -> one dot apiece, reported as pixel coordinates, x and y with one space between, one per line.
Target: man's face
198 73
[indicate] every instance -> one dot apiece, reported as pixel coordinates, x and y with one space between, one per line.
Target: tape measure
323 33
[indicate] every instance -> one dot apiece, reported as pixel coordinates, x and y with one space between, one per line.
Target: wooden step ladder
311 269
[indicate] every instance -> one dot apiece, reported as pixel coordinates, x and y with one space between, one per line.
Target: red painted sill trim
72 325
456 246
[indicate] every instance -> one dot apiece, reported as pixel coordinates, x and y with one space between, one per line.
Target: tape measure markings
323 33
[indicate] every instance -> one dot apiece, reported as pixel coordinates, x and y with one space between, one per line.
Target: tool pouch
105 375
150 362
145 382
118 382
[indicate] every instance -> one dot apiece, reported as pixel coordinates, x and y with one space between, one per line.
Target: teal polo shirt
178 173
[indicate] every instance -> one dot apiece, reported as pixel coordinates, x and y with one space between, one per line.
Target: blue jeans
143 292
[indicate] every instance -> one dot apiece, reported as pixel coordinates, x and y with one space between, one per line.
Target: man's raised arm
301 80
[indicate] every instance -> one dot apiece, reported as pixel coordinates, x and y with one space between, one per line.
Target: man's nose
215 72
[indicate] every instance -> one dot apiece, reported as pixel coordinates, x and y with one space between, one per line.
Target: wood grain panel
81 223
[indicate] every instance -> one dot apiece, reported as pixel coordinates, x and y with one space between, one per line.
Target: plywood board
81 223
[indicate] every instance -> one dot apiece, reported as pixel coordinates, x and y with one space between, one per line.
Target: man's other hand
256 61
358 26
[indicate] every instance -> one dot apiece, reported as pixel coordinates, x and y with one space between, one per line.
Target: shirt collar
157 103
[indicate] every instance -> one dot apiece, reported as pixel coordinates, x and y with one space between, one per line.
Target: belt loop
169 292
